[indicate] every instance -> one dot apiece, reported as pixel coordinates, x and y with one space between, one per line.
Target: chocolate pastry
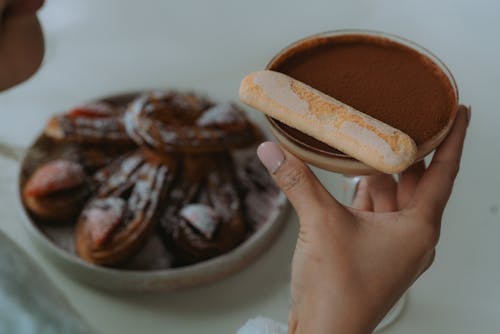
162 165
204 217
57 190
95 123
97 129
176 122
116 222
258 189
94 157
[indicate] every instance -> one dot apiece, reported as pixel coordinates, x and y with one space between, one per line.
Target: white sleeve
262 325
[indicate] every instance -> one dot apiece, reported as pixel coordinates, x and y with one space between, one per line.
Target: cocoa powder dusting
377 76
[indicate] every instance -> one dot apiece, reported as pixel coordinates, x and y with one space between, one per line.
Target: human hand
352 264
21 41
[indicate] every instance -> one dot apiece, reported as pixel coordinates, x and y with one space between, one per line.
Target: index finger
435 186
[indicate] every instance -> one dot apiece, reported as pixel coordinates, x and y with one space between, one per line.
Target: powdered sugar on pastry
321 116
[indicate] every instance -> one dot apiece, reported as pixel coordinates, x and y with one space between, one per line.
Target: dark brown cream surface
377 76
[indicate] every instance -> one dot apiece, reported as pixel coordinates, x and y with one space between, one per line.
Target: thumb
296 180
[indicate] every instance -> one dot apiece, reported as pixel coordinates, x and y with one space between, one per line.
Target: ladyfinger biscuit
318 115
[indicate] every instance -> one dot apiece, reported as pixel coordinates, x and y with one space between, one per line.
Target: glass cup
325 157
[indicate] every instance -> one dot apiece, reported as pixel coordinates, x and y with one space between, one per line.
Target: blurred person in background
21 41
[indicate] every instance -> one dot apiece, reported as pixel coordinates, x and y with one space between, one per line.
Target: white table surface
99 47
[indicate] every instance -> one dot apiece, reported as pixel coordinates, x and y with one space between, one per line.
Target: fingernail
469 109
271 156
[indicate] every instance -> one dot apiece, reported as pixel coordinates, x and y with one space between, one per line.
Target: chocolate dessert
205 216
170 122
165 166
377 76
117 220
96 123
57 190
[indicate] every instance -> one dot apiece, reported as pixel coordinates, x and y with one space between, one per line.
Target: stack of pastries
169 164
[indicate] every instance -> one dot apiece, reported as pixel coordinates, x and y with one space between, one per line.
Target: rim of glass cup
423 148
